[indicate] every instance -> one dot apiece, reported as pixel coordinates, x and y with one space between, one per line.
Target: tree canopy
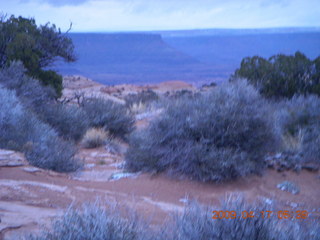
37 47
281 75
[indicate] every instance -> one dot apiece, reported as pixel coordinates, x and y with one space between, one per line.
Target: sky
142 15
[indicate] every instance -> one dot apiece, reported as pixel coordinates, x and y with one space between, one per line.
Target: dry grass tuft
95 137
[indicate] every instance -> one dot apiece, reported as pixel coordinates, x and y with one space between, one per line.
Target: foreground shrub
214 137
195 223
299 124
94 137
20 130
93 223
111 116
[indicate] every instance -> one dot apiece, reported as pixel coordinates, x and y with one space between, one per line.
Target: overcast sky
136 15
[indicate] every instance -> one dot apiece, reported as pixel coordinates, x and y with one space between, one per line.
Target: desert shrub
196 223
30 91
93 223
22 131
218 136
94 137
70 121
111 116
53 153
182 94
146 96
299 124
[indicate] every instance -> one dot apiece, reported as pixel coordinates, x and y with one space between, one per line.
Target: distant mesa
195 56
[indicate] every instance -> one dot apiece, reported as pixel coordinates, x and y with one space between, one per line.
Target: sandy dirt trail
30 197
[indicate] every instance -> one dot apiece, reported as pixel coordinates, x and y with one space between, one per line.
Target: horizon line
310 28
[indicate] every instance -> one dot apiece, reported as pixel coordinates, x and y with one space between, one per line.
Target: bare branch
70 27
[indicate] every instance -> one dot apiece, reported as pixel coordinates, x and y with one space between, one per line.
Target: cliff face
128 48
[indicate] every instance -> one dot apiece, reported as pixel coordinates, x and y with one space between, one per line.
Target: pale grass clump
138 107
292 143
95 137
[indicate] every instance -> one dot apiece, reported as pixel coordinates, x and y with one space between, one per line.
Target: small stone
31 169
289 187
90 165
117 176
293 205
184 200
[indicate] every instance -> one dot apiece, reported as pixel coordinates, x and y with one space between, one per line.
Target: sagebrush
298 121
92 222
21 130
214 137
107 114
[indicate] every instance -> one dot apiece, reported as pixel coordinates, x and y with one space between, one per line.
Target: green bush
52 79
21 130
219 136
111 116
37 47
281 75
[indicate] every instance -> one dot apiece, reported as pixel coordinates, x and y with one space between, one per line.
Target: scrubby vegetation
111 116
281 75
93 223
298 119
196 223
44 129
144 97
31 92
21 130
37 47
70 121
219 136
